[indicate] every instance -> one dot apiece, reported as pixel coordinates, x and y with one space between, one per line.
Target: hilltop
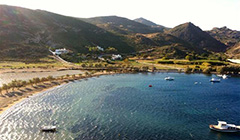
225 35
120 25
197 37
150 23
145 21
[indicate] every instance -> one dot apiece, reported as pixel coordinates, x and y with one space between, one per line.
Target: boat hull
223 130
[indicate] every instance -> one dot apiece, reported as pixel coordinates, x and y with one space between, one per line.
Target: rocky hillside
150 23
25 32
225 35
28 33
162 44
234 52
196 37
121 25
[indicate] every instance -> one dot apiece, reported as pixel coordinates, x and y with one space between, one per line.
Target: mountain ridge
197 37
25 27
225 35
120 25
29 33
150 23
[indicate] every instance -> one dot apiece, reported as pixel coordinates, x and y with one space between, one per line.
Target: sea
124 107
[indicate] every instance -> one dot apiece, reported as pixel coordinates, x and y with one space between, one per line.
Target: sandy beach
7 75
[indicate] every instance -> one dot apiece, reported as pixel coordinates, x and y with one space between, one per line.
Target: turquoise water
124 107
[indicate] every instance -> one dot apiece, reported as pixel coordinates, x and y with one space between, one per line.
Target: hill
29 33
145 21
196 37
26 33
234 52
160 45
120 25
150 23
225 35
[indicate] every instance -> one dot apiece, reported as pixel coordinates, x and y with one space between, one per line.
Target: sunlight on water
124 107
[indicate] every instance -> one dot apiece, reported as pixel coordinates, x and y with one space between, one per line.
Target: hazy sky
204 13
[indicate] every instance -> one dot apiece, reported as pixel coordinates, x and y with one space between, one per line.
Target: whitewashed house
61 51
116 57
100 48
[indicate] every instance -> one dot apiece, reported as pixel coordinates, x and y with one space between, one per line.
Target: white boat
224 127
48 128
215 80
169 78
224 76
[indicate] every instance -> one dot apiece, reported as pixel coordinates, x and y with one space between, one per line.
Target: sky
203 13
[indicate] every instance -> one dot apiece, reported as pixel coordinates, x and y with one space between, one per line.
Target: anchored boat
49 129
169 78
215 80
224 127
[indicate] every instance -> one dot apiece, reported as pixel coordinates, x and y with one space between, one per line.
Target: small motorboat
224 76
215 80
48 128
224 127
169 78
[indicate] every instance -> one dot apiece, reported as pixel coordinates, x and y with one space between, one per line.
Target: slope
121 25
234 52
196 37
150 23
225 35
24 31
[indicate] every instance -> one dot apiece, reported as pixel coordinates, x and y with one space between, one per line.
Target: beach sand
7 75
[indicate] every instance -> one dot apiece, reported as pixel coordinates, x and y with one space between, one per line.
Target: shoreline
8 102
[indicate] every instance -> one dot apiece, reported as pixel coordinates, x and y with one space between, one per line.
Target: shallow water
124 107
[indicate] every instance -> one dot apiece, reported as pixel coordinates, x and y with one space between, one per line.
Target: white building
116 57
61 51
100 48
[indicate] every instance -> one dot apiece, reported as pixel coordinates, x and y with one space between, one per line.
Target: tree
207 70
188 70
19 84
1 91
188 57
74 76
86 73
13 84
5 87
80 75
61 77
44 79
111 50
83 65
50 78
31 82
36 80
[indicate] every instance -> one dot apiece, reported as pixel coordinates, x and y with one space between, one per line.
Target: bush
165 62
207 70
188 70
